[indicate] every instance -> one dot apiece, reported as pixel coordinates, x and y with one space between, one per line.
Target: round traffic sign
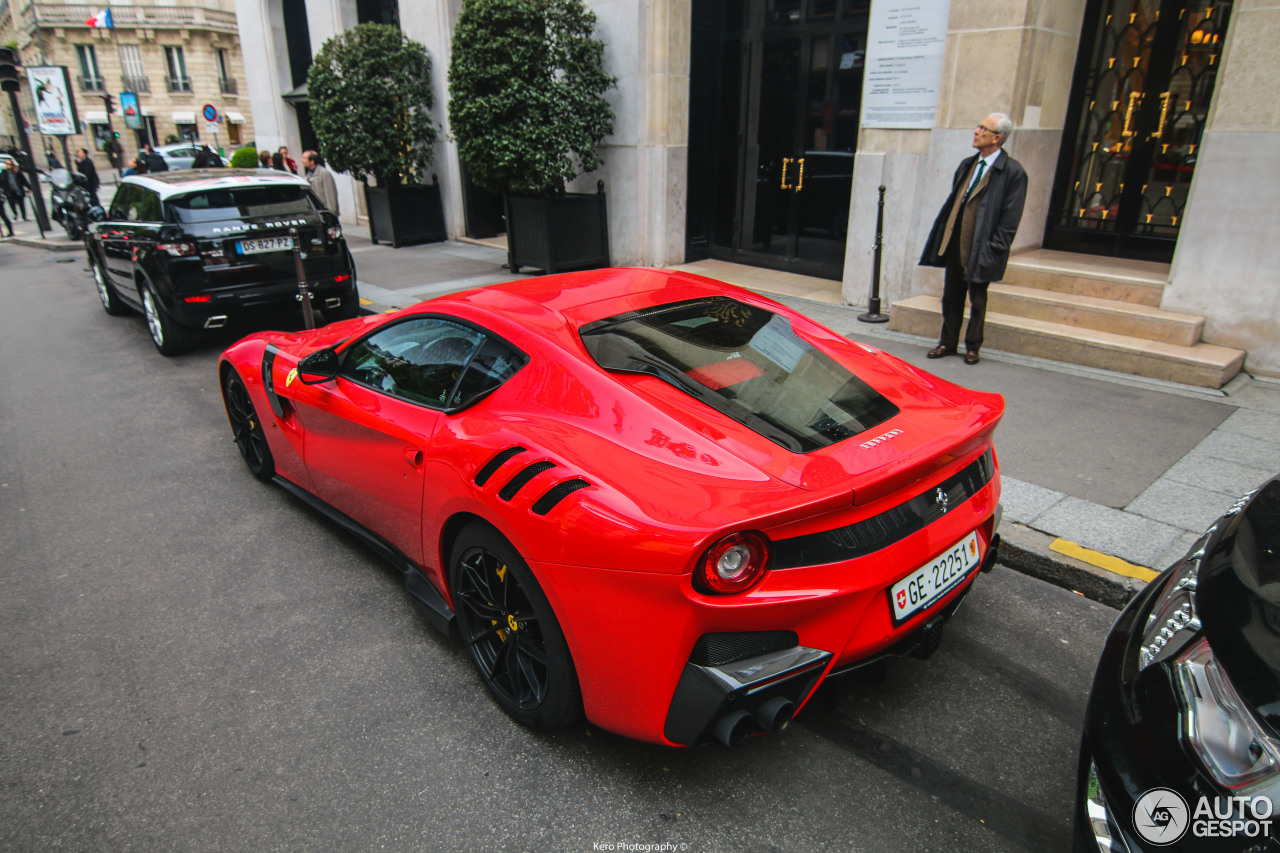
210 112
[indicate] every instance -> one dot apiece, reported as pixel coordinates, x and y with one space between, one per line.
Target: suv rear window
241 203
745 362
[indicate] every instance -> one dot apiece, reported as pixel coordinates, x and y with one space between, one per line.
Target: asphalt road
192 660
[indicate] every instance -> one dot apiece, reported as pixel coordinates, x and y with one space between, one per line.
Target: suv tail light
178 250
334 232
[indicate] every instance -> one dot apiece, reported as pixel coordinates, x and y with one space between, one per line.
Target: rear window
745 362
241 203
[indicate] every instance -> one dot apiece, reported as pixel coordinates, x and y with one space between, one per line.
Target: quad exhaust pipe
216 322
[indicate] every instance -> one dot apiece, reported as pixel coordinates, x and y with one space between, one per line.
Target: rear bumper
209 308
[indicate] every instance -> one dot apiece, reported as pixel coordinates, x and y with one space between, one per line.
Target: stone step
1098 277
1089 312
1202 365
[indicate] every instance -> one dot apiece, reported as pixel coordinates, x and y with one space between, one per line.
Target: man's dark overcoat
999 210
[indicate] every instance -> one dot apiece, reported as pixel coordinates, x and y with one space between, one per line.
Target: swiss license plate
935 578
264 244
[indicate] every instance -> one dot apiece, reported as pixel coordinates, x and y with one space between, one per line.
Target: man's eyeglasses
987 129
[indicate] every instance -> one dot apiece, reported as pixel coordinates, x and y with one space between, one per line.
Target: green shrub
370 93
526 93
245 158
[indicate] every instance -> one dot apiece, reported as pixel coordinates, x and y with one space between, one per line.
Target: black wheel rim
246 429
501 630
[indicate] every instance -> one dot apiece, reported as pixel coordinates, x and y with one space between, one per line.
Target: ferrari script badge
293 374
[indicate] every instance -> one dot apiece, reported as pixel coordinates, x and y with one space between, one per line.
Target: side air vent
268 379
721 649
516 483
491 467
555 494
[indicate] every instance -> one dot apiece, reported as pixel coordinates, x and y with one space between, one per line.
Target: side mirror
170 233
320 366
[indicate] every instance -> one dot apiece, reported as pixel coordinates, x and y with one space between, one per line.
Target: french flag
102 19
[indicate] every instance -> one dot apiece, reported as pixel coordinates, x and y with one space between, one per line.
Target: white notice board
905 42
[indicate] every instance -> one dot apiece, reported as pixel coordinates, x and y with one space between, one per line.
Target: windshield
242 203
745 362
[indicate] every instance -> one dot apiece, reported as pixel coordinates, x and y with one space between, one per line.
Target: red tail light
733 564
339 279
205 298
178 250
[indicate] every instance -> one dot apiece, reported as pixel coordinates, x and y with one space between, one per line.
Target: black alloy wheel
111 303
510 631
246 428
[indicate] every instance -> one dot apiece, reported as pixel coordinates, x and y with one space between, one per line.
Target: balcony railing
227 85
135 84
178 84
151 17
92 84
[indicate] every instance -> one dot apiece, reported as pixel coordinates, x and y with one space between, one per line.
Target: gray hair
1004 126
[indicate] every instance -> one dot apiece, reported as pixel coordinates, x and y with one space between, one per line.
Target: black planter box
405 215
555 233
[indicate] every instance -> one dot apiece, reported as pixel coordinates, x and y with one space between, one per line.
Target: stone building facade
176 57
1149 129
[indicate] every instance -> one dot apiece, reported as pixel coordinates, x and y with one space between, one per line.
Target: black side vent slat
516 483
491 467
721 649
555 494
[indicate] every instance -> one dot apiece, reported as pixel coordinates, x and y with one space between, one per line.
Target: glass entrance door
800 129
1141 98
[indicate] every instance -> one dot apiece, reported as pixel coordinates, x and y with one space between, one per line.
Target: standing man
84 165
321 180
973 232
15 187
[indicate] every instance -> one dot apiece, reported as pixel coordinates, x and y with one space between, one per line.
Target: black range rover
193 250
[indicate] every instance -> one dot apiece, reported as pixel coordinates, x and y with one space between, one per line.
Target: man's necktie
982 164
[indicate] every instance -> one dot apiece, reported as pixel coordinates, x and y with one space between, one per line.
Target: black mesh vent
892 525
495 463
556 494
721 649
516 483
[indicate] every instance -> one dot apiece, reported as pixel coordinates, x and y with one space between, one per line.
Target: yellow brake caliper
511 620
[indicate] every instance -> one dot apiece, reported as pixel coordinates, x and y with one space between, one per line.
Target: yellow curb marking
364 301
1103 561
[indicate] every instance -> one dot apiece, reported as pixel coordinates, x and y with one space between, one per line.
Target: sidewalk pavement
1107 478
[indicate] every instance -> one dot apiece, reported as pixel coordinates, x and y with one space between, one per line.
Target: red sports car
667 503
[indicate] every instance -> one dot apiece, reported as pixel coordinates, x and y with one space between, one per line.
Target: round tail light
734 563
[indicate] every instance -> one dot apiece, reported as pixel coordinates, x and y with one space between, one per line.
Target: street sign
210 113
131 109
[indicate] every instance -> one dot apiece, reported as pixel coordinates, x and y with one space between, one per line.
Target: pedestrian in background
289 163
52 159
84 165
15 189
5 218
973 233
155 162
321 180
137 166
264 159
277 162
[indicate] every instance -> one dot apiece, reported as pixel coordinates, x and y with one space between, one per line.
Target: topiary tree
370 93
245 158
526 93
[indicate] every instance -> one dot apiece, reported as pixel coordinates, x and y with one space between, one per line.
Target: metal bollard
304 293
873 314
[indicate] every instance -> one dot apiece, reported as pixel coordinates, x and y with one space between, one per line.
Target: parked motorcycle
70 202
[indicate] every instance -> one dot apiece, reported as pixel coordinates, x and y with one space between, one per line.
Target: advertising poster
55 107
905 42
131 110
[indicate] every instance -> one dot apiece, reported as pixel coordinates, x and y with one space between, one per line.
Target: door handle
786 161
800 183
413 456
